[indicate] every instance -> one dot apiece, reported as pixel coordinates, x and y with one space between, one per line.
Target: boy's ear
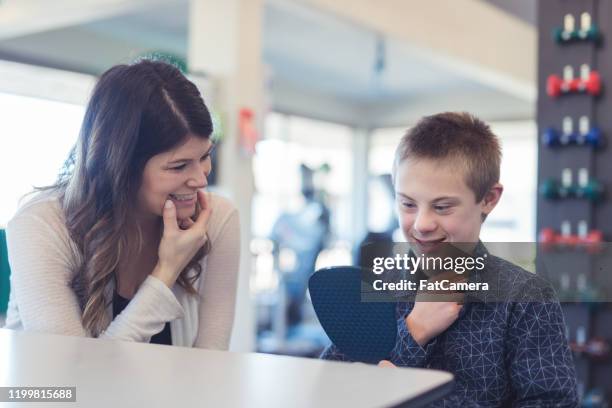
492 197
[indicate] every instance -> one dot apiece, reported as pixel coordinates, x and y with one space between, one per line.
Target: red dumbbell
592 242
568 240
597 348
553 85
548 238
556 86
593 83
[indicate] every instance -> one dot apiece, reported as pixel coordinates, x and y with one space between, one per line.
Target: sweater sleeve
43 265
152 306
407 352
541 368
218 290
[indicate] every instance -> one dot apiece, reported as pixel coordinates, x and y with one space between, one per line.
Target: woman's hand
179 244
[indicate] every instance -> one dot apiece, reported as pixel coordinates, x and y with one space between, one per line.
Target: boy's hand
434 312
386 363
428 319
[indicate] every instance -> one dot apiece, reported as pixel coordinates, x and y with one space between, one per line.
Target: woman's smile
183 200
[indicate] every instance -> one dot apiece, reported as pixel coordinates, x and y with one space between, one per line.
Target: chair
4 273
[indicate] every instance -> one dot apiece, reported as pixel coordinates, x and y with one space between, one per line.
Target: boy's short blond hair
455 136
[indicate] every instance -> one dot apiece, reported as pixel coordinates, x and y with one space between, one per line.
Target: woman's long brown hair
135 112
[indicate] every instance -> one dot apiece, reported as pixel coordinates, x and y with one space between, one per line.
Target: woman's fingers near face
205 210
202 199
186 223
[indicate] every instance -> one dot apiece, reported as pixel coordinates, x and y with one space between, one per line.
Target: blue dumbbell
594 138
554 138
595 398
550 137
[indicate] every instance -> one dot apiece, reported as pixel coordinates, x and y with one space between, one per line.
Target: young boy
511 353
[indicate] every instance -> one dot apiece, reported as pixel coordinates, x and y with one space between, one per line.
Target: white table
116 374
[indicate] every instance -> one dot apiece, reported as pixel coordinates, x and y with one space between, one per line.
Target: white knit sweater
44 261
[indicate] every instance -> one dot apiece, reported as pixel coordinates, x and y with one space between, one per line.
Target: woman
126 245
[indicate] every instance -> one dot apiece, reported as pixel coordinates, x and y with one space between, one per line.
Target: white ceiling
308 51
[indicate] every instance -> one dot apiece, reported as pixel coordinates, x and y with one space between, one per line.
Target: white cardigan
44 261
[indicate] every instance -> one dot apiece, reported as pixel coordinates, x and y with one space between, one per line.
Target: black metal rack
553 55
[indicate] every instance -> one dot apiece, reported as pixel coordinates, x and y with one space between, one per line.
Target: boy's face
435 204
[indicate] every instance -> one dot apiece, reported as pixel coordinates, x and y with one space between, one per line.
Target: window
36 136
290 142
41 111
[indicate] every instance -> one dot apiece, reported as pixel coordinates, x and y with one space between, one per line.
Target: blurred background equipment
298 237
383 227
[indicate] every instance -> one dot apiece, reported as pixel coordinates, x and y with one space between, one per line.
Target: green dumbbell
588 188
590 34
562 36
567 191
593 191
588 30
550 189
585 188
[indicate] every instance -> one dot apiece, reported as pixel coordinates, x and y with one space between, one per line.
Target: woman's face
175 175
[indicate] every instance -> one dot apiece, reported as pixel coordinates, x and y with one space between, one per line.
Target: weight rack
555 53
